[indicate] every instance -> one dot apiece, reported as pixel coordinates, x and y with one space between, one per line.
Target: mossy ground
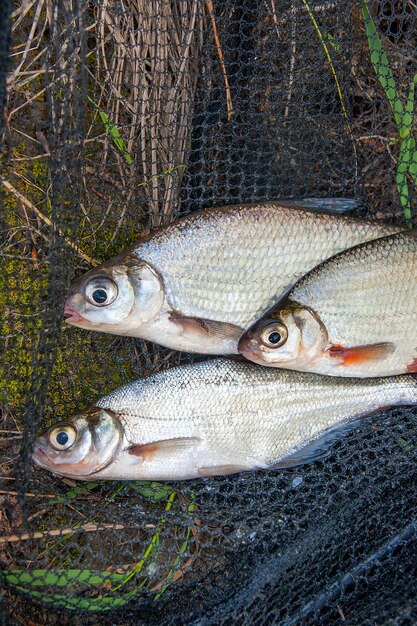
86 363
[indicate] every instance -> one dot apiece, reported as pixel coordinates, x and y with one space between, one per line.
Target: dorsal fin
329 206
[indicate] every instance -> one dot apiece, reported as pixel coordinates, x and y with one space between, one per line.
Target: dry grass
149 75
142 69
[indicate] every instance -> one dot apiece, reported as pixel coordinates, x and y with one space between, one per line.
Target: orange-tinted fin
165 446
412 367
221 470
360 354
211 328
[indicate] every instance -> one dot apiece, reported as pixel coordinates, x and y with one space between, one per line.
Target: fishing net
120 116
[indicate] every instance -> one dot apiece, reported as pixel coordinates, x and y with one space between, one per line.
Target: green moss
87 365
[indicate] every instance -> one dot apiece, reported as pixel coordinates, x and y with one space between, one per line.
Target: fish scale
230 267
218 417
197 284
369 295
245 414
360 308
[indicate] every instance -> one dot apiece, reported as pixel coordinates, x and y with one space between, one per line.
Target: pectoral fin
222 470
209 328
357 355
330 206
148 451
412 367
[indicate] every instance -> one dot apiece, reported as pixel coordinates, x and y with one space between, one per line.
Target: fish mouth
249 347
39 457
72 316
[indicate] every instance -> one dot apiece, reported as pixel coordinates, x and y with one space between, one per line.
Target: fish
355 315
213 418
197 284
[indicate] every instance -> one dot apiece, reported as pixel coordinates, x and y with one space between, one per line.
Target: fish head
116 297
82 446
291 336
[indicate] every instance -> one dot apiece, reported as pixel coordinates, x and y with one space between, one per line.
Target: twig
292 59
36 95
229 104
20 132
293 50
21 12
386 139
31 158
34 26
58 532
46 219
28 495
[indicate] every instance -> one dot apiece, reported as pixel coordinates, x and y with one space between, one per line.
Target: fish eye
101 291
274 335
62 437
99 296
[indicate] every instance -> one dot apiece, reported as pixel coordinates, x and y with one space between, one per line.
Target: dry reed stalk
59 532
148 53
229 104
146 68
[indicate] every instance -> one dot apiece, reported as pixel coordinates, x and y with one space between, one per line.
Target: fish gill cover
119 117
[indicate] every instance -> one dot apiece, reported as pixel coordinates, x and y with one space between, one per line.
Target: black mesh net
119 117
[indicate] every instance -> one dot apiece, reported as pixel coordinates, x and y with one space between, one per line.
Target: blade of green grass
381 66
113 131
151 547
32 578
403 116
323 37
79 490
407 150
151 490
86 604
191 508
403 166
60 577
168 171
408 129
332 41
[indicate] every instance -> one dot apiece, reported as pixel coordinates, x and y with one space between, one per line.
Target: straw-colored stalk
148 54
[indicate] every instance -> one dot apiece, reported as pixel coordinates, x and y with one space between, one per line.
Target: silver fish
212 418
354 315
199 283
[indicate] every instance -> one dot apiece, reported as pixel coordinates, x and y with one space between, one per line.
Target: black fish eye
274 335
99 296
101 291
274 338
62 438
